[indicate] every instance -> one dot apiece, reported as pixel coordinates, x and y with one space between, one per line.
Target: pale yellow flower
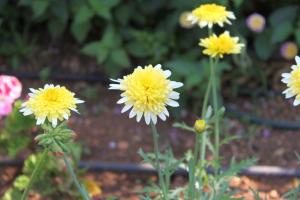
289 50
218 46
210 14
147 92
292 80
184 20
51 102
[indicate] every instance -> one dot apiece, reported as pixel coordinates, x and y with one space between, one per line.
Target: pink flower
256 22
10 90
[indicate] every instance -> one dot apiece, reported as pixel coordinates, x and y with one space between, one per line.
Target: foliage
53 181
14 137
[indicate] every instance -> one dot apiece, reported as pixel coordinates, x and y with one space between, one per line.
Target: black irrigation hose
248 117
146 169
281 124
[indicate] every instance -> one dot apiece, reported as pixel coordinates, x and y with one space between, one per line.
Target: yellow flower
218 46
200 125
147 91
184 20
210 14
292 81
51 102
92 187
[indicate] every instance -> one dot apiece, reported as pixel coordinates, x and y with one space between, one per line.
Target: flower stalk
162 183
35 173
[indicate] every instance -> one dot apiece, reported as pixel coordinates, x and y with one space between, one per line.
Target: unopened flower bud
200 125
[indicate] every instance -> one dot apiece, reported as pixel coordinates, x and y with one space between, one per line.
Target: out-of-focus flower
292 80
51 102
200 125
10 90
288 50
210 14
92 187
256 22
218 46
184 20
147 92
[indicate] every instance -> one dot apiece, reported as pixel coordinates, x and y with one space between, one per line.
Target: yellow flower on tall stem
218 46
51 102
292 80
210 14
147 92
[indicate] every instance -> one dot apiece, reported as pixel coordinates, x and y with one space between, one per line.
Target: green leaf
96 49
56 27
263 45
80 30
282 15
297 36
39 7
282 32
136 49
83 14
120 57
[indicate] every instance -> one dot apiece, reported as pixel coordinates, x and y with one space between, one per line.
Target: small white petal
114 87
286 75
158 66
78 100
296 102
132 113
162 116
27 112
116 80
294 67
166 112
122 100
139 116
126 107
289 95
33 90
54 122
297 59
202 24
175 84
66 116
167 73
286 80
147 118
154 118
172 103
174 95
40 120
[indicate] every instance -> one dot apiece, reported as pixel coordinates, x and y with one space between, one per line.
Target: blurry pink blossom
288 50
10 90
256 22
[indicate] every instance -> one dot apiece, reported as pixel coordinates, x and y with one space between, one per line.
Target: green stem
155 136
79 187
35 174
216 108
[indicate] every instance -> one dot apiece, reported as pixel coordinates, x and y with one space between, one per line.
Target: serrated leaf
80 30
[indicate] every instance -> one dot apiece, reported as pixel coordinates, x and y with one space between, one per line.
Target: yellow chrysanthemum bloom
51 102
292 81
210 14
200 125
147 91
218 46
